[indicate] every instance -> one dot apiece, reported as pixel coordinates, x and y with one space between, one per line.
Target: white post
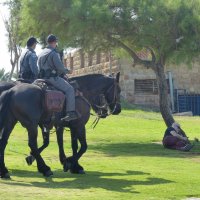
171 89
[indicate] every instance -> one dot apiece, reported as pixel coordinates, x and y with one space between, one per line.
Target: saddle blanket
54 100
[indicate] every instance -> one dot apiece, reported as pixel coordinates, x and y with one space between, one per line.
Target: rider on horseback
28 61
51 68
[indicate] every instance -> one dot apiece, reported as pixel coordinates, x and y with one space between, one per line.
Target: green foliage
170 28
40 18
14 38
124 161
12 24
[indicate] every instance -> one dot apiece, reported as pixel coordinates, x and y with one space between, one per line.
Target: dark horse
6 85
24 103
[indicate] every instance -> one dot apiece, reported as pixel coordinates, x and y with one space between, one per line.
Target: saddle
53 98
54 101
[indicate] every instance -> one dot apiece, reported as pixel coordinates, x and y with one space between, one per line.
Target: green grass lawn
125 160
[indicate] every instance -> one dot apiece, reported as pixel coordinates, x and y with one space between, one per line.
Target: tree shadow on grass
118 182
142 149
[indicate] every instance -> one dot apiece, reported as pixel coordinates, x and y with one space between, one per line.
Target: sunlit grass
125 160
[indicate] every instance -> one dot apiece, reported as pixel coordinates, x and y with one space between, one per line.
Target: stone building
138 84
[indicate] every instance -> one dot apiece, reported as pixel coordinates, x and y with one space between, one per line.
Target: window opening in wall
65 62
90 58
98 58
107 57
71 63
146 86
82 58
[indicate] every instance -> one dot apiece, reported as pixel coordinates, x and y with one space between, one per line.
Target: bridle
115 99
104 105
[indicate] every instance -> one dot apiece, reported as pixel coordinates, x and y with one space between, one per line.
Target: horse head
112 96
108 100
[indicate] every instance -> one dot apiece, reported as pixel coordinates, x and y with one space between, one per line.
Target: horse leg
3 170
7 129
62 156
83 142
32 142
72 160
77 134
45 134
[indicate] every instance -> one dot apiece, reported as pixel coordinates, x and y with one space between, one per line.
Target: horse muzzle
116 109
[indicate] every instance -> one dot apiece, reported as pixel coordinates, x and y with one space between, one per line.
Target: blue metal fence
187 102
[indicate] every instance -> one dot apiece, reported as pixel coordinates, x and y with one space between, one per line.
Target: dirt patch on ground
193 198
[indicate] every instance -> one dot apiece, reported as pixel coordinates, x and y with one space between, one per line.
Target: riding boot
71 115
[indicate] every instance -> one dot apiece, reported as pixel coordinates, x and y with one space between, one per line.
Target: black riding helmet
52 38
31 41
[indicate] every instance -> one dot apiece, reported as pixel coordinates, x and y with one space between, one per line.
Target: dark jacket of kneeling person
175 139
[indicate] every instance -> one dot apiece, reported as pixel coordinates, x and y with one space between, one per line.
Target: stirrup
69 118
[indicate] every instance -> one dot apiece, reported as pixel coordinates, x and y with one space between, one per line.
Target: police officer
28 61
52 68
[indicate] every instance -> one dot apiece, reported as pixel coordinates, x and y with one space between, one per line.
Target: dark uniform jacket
28 65
49 60
168 132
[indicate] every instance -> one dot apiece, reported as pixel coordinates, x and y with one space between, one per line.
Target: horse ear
117 77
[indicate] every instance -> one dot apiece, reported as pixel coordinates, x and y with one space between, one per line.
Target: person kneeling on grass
175 138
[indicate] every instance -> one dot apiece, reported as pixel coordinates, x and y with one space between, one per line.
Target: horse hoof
6 176
81 172
66 166
77 172
29 160
48 173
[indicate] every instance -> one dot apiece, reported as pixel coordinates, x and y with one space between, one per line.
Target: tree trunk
164 101
158 68
11 72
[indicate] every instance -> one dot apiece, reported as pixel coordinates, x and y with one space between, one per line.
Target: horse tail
4 106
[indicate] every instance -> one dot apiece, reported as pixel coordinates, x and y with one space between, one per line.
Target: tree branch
152 54
137 60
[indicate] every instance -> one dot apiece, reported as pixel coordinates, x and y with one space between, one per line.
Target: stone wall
105 66
128 76
186 77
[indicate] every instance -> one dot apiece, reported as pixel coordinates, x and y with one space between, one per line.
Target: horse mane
88 76
93 81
